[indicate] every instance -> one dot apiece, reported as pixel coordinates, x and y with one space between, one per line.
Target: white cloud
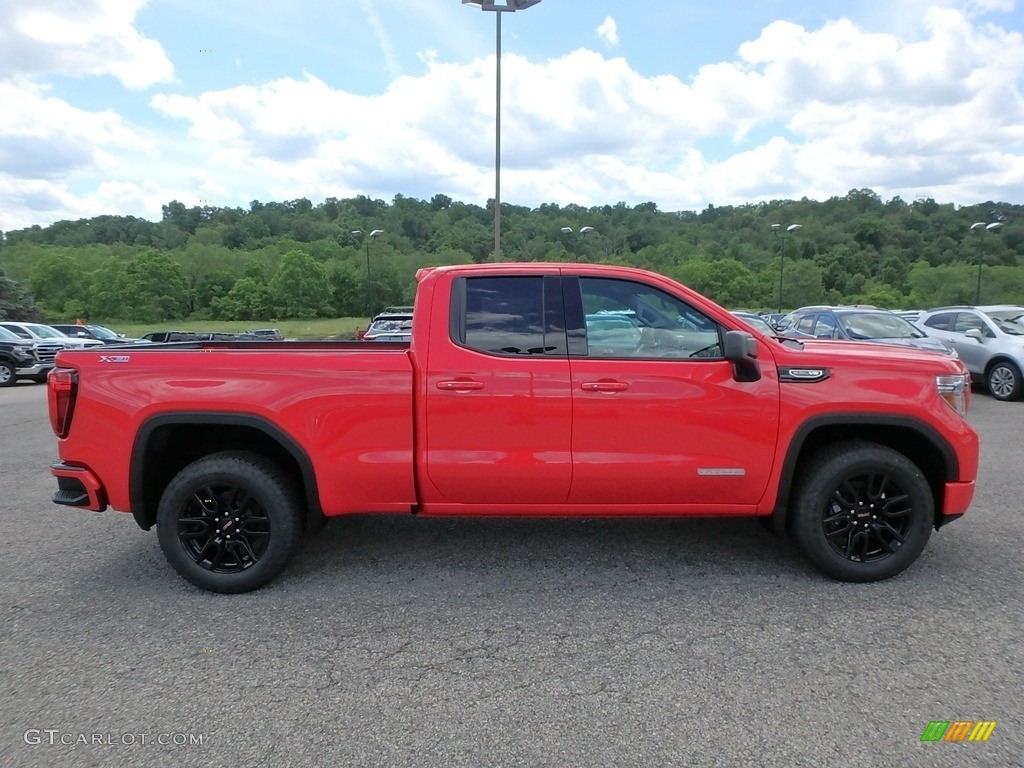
798 112
608 31
85 37
45 137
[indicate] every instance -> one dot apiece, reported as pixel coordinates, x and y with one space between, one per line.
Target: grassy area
319 328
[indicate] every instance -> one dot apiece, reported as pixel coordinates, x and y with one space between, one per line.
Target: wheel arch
1002 358
166 443
918 441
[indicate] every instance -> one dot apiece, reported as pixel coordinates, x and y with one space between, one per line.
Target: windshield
8 336
877 325
1009 321
102 333
756 322
45 332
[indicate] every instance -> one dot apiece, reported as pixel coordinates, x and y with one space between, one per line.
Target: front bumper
78 487
39 369
956 500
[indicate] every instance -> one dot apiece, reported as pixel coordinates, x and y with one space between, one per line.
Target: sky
120 106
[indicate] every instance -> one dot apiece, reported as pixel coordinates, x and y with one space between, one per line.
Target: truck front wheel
863 512
229 522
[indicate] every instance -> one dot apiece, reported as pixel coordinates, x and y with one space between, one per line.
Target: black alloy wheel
863 512
229 522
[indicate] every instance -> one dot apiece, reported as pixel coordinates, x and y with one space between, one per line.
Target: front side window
826 327
806 324
629 319
968 321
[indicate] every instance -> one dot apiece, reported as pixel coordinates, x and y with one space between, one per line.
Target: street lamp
508 6
782 255
358 234
584 231
977 227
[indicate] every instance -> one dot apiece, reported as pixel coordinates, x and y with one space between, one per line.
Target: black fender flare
137 471
857 420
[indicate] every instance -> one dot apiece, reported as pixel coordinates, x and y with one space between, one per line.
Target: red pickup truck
526 389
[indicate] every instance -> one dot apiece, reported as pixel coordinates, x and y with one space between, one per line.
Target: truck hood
828 352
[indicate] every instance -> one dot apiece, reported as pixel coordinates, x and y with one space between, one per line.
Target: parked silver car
990 341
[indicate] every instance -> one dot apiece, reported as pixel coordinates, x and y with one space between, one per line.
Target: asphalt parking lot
405 641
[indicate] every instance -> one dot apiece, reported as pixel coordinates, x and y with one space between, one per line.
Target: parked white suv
40 332
990 341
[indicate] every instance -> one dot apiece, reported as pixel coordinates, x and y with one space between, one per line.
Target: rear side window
941 322
503 315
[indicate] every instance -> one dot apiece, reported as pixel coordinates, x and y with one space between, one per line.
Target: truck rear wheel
863 512
229 522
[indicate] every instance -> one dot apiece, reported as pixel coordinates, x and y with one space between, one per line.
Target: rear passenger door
498 404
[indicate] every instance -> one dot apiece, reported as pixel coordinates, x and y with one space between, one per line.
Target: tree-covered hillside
297 259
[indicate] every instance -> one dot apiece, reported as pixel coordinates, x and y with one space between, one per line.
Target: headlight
954 390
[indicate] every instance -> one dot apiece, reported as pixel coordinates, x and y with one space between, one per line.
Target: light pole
978 227
584 231
782 255
358 235
508 6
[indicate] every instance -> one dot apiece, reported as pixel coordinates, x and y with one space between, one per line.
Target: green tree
299 288
248 299
15 302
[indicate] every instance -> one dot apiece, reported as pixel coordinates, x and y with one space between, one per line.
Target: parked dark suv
861 324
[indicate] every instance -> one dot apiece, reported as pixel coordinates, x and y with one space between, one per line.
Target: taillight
62 387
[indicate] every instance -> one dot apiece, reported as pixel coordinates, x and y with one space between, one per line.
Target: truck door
498 404
657 417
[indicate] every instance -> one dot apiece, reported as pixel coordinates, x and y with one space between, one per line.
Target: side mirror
975 334
740 349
